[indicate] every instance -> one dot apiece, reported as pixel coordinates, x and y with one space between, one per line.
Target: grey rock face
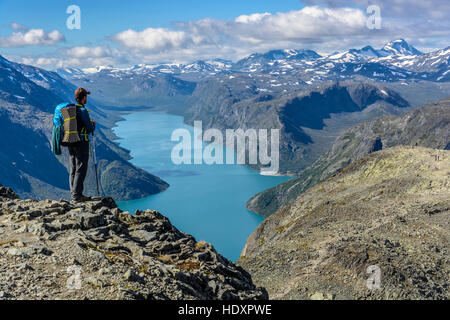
96 251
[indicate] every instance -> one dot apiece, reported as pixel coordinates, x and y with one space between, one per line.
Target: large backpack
65 127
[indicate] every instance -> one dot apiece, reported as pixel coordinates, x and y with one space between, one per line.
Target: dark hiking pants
79 158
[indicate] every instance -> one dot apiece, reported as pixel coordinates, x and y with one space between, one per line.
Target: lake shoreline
205 201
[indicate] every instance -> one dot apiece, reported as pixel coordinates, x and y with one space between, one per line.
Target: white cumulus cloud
155 39
32 37
89 52
252 17
249 29
18 26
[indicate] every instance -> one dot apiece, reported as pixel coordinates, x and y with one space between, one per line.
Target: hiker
72 126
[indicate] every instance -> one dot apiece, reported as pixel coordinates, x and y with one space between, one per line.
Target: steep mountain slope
28 96
303 116
116 256
390 210
428 126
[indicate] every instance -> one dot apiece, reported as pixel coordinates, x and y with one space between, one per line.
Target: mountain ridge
389 210
300 115
281 60
428 126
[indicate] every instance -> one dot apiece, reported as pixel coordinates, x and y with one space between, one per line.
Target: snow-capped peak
97 69
399 47
353 55
4 60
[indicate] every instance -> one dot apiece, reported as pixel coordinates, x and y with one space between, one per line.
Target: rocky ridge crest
94 250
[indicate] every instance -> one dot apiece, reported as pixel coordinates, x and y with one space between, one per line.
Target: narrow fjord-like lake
206 201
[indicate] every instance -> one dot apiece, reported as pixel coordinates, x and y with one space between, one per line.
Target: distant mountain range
396 61
394 48
277 72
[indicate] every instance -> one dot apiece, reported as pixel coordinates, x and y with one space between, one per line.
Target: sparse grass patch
281 229
188 265
117 257
261 241
2 243
164 258
201 245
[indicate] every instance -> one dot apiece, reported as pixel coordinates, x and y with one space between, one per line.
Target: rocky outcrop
428 126
94 250
389 211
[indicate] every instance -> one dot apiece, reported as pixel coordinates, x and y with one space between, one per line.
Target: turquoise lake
206 201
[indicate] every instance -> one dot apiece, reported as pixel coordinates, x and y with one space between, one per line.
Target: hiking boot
82 199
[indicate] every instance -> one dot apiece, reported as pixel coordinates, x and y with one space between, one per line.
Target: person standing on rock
71 128
79 152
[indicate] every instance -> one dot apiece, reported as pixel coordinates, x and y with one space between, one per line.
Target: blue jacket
85 126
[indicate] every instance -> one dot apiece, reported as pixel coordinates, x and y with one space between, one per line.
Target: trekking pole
95 164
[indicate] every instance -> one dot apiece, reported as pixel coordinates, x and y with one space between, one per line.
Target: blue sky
135 31
105 17
102 18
